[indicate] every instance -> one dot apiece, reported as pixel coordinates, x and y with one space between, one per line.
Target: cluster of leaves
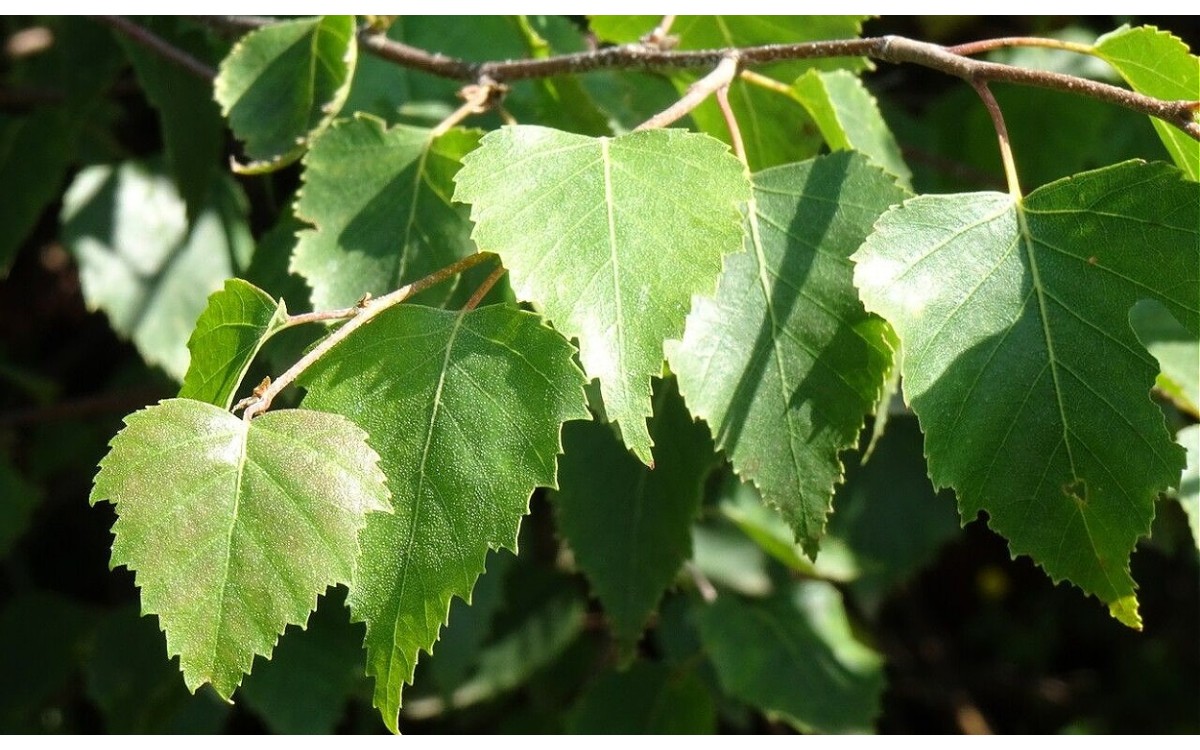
684 350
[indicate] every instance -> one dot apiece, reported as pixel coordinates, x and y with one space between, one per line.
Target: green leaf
460 642
849 118
648 698
1158 64
775 129
380 200
193 132
1020 363
630 526
227 336
1189 485
303 689
1177 352
465 410
610 237
784 363
232 527
140 261
794 656
283 84
18 498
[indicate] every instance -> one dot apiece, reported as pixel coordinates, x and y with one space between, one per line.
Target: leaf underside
234 528
1019 360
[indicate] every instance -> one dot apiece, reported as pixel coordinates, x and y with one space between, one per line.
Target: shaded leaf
849 119
1189 484
460 642
630 526
228 334
193 132
232 527
283 84
18 498
140 261
784 363
1158 64
303 689
380 201
1177 352
648 698
794 656
610 237
465 410
1020 363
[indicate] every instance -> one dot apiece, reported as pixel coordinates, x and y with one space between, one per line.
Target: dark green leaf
140 261
235 527
648 698
283 84
1177 352
303 689
630 526
784 363
794 656
461 641
1158 64
38 671
18 498
1020 363
228 334
610 237
380 200
465 410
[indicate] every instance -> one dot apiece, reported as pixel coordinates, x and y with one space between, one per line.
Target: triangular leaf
465 410
142 263
1158 64
795 656
380 200
630 526
284 83
1019 360
784 363
232 527
610 237
228 334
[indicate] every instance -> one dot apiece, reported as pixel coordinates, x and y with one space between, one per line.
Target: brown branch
159 46
718 79
988 45
484 288
735 133
890 49
1006 155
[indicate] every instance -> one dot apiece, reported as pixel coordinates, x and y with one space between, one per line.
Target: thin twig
365 312
159 46
766 82
1006 155
735 133
988 45
658 35
484 288
477 98
719 78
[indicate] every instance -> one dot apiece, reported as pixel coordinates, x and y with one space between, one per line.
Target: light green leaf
193 132
303 689
1020 363
465 410
784 363
648 698
232 527
283 84
794 656
849 118
630 526
380 200
140 261
1158 64
610 237
1189 485
1177 352
775 129
228 334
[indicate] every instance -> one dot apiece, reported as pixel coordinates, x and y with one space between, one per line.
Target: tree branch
159 46
718 79
890 49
